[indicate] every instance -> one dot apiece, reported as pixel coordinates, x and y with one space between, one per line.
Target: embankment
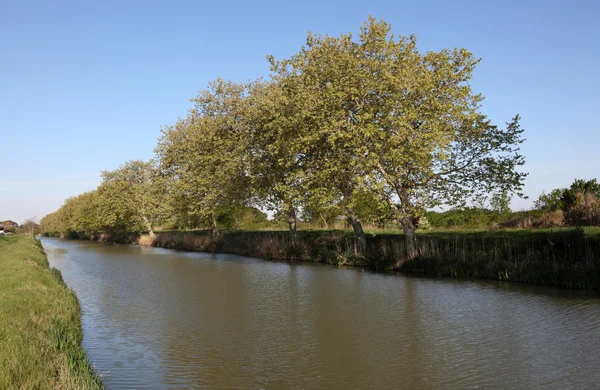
40 323
566 258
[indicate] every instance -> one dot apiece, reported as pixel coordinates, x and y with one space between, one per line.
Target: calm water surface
156 318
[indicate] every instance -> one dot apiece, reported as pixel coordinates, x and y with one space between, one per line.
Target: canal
157 318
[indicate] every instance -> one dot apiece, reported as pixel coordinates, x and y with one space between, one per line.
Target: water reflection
156 318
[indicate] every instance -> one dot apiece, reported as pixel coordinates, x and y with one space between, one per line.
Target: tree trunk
213 226
325 224
360 247
410 237
292 224
148 226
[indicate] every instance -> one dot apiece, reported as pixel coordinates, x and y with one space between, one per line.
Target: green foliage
500 203
203 156
252 218
565 198
132 196
378 114
367 127
554 200
580 203
469 218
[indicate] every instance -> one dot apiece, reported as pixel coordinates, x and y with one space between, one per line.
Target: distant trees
368 128
500 203
30 227
9 226
578 204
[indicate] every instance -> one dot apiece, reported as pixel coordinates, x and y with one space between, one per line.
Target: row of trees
342 122
576 205
29 227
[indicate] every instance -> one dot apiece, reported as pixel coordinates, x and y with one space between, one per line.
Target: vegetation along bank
40 323
566 257
365 129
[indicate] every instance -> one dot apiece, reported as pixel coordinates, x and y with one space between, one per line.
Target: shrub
551 219
145 240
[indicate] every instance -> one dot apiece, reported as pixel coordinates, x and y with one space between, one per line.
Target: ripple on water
165 319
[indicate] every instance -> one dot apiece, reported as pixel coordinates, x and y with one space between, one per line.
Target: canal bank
40 325
568 258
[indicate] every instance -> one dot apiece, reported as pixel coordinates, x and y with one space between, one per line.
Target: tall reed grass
562 258
565 257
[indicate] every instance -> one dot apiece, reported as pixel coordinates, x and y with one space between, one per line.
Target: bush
551 219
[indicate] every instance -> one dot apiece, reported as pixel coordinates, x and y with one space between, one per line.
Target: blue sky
85 86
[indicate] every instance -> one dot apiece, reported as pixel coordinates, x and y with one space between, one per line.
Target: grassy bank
560 257
40 328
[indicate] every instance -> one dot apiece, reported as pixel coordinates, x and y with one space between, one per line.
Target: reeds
567 259
562 258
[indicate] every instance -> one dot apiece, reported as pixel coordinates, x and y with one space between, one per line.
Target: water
156 318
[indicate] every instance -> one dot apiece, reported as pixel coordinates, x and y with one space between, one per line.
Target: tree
322 214
500 203
320 84
586 187
85 217
30 226
204 155
49 224
401 123
429 144
554 200
9 224
133 195
579 203
276 148
566 198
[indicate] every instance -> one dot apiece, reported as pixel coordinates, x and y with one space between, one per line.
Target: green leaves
341 124
133 196
204 156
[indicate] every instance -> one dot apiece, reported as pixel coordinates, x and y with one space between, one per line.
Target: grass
40 323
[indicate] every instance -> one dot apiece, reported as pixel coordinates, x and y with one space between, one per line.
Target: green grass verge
40 323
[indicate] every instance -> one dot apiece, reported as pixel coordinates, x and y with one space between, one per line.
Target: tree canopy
343 126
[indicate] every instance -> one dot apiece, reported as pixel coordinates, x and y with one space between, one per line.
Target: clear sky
85 86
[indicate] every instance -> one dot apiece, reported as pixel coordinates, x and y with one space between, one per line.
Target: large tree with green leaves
205 154
429 144
402 123
132 195
276 147
320 85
